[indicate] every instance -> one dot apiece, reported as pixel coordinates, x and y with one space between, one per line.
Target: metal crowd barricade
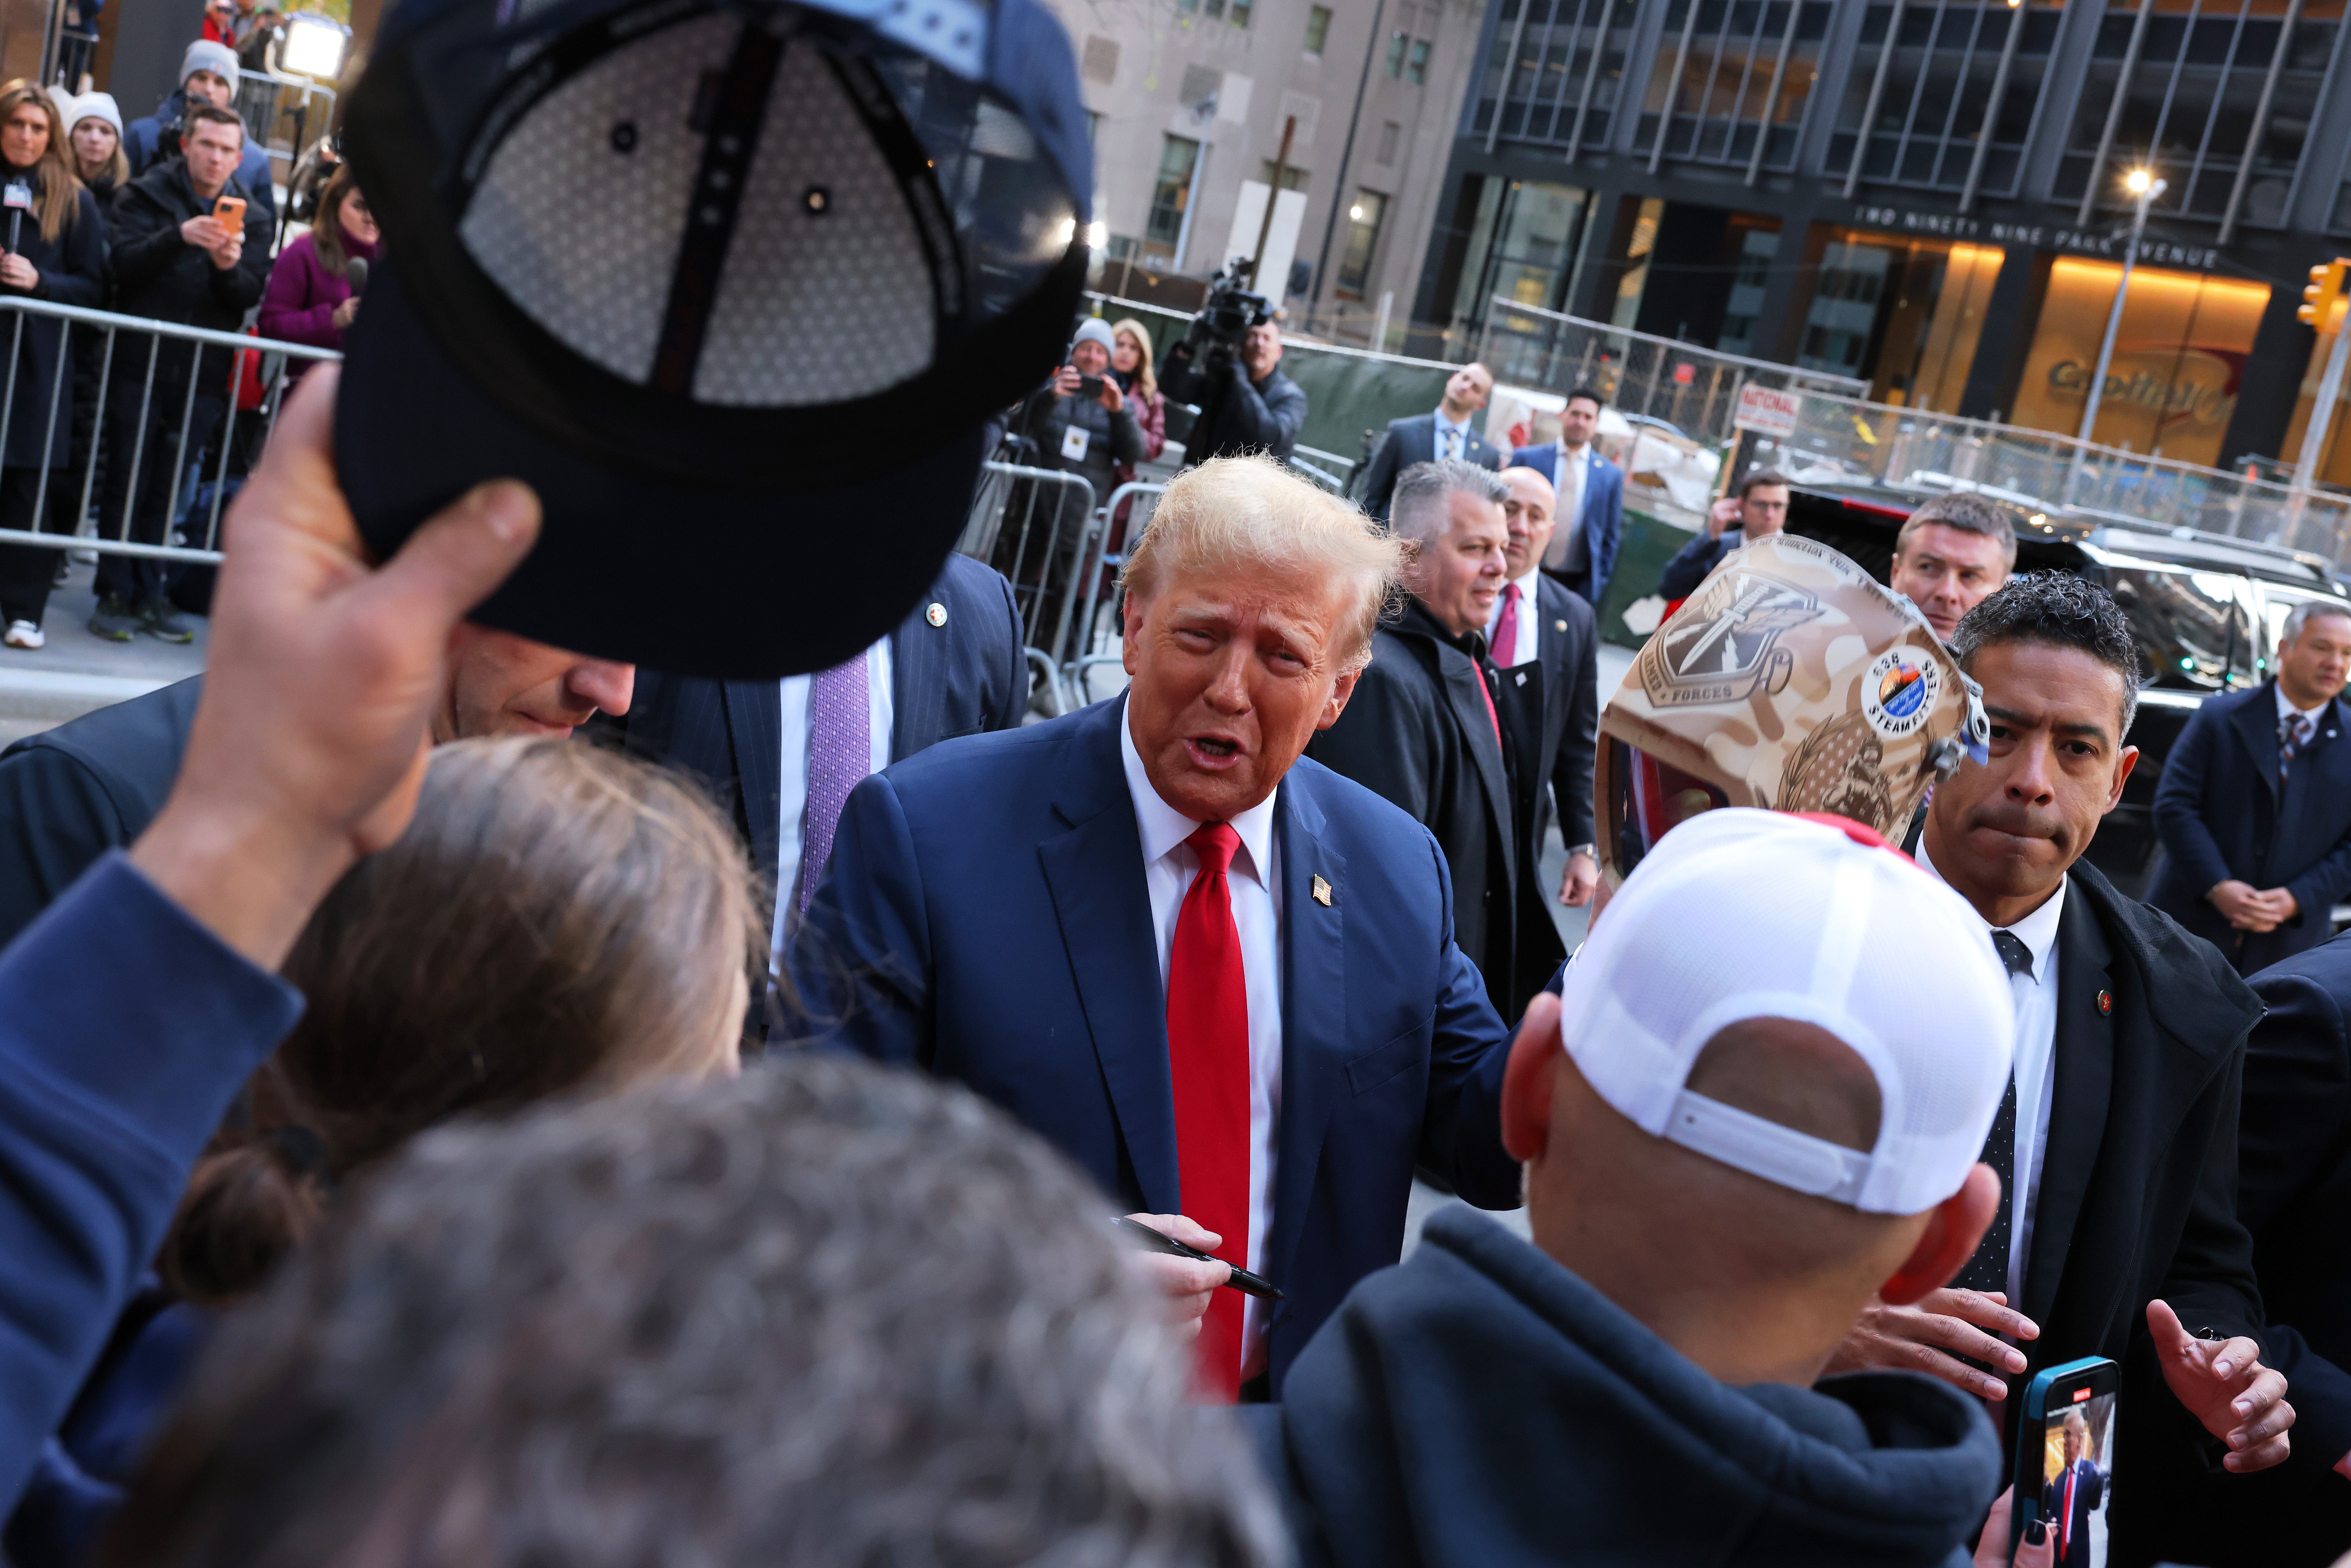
1099 615
124 356
1019 520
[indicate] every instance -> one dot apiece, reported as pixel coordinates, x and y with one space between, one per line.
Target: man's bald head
1530 514
1762 1281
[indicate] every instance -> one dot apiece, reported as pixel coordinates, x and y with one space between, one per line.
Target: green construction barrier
1648 542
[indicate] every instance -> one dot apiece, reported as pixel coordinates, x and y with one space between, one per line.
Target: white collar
2037 931
2286 709
1463 426
1527 587
1163 827
1578 454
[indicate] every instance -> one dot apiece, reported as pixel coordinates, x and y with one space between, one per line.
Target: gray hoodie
1481 1406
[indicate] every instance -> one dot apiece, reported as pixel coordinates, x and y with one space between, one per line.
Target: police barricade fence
1040 529
132 446
1130 504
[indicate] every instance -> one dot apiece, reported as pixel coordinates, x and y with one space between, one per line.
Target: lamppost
2143 184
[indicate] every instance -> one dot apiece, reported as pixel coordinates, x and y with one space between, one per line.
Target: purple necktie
840 753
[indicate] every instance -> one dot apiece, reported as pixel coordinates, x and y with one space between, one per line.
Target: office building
1929 194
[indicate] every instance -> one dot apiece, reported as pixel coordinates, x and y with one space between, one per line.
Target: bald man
1715 1189
1544 641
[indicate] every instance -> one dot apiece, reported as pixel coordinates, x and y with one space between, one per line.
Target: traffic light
2323 302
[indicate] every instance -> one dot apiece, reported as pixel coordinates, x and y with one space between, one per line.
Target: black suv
2206 610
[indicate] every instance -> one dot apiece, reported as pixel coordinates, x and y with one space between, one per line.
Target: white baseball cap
1739 914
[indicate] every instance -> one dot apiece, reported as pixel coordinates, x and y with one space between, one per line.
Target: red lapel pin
2105 1003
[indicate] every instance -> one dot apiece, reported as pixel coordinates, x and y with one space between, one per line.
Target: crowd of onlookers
172 217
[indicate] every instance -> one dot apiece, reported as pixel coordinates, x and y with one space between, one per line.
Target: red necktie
2066 1519
1208 1062
1491 717
1506 630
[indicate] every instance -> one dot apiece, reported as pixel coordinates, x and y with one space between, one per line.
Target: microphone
356 269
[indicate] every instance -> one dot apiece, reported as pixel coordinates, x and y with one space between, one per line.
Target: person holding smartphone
1079 422
190 245
54 249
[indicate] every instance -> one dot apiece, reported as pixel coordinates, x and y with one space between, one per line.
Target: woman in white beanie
94 133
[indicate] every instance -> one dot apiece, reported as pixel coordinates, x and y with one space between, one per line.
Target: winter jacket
300 303
1480 1404
73 272
159 274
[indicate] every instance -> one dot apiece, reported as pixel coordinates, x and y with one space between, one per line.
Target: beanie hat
95 106
1094 329
203 55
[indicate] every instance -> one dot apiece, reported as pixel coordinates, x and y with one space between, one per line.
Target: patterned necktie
1208 1068
1988 1269
1505 629
2293 734
840 753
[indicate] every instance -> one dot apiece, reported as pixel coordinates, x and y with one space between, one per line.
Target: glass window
1396 54
2178 353
1363 217
1239 15
1293 178
1178 156
1212 9
1416 67
1317 27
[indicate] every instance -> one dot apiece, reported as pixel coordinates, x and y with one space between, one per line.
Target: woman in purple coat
309 298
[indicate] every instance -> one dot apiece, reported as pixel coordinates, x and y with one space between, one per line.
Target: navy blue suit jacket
1604 509
984 917
2220 812
966 674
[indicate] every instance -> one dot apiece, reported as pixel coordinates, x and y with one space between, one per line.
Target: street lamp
2145 188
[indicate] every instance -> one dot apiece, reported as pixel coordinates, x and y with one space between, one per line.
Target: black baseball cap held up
733 283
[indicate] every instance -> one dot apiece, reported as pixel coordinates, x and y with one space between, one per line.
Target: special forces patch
1725 649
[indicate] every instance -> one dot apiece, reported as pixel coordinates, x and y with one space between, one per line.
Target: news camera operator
1229 367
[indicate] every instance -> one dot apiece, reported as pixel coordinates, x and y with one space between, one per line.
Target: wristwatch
1591 850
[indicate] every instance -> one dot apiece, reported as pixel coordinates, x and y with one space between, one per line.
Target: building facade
1189 101
1929 194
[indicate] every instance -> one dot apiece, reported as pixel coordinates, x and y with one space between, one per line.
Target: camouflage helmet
1790 681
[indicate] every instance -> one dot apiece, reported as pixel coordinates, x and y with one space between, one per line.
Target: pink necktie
1506 630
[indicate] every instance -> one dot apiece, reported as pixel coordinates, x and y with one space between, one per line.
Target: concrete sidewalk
77 671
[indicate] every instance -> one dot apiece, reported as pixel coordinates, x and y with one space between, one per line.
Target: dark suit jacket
2293 1194
986 917
2220 814
1415 734
70 794
2089 1489
1552 774
2138 1186
960 677
1603 510
1411 441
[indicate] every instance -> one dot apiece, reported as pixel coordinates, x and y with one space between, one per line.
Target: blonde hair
1145 380
1249 514
556 919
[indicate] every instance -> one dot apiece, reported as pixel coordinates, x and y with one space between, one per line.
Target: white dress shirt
791 780
1437 435
1169 866
1521 650
2036 1071
1571 477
